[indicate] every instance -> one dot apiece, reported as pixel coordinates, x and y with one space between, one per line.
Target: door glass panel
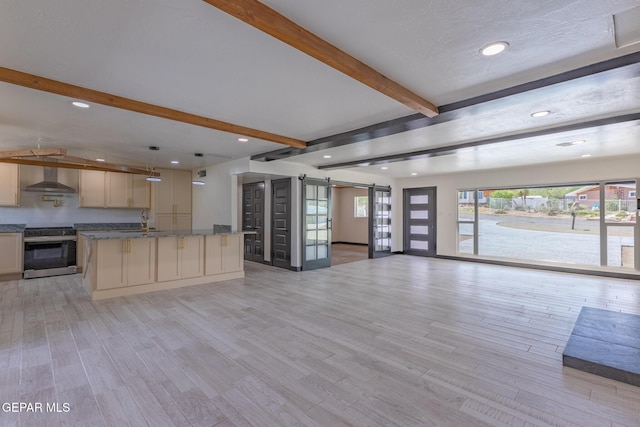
322 222
323 207
419 244
465 238
466 205
312 207
311 237
419 214
322 192
323 251
419 229
619 202
312 192
620 246
322 236
419 200
311 253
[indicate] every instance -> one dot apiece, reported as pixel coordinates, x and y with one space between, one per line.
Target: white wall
35 212
345 226
584 170
219 200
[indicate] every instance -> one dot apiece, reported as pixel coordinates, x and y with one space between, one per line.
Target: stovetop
49 231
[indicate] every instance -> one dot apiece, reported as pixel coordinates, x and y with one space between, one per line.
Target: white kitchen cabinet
9 184
180 257
124 262
224 254
11 253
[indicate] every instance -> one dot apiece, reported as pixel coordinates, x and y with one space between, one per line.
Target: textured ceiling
192 57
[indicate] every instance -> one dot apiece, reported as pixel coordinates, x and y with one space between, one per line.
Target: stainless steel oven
49 251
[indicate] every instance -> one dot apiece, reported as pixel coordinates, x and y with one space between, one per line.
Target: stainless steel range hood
50 183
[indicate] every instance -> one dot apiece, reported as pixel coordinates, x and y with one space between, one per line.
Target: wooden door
191 256
9 185
168 259
253 220
281 223
213 249
117 190
232 259
11 251
141 261
111 263
92 189
182 191
140 192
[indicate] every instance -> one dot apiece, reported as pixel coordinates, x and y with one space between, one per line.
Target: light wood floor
397 341
342 253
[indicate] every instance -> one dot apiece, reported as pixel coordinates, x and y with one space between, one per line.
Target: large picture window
589 224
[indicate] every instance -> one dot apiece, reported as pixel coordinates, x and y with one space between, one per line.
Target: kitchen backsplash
35 212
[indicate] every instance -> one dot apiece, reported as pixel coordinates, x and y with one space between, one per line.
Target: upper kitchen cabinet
92 189
172 200
9 184
114 190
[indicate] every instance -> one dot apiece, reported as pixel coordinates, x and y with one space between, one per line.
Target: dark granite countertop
106 226
12 228
111 235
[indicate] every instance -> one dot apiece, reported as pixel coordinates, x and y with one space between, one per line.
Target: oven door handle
49 239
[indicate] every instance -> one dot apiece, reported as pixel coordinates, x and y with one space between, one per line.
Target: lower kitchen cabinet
11 251
224 254
124 262
180 257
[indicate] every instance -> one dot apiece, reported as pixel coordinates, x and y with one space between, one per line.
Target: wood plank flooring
397 341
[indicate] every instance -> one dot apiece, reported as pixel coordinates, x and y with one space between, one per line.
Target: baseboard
558 269
398 252
350 243
8 277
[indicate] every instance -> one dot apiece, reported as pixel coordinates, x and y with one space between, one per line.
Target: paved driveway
572 247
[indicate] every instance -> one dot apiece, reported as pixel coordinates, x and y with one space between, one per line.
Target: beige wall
347 228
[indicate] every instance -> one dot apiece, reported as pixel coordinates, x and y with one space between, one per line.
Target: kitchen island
120 263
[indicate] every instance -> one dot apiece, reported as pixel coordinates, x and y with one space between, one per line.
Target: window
361 206
558 224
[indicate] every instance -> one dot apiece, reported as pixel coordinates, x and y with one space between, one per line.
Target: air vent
627 27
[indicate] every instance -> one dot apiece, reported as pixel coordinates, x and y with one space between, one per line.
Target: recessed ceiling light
175 162
494 48
578 142
384 168
80 104
326 156
99 160
586 155
243 139
414 173
541 113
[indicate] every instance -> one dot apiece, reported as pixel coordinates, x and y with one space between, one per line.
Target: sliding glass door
379 221
316 234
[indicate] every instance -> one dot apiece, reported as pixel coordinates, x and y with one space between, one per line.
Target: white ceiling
192 57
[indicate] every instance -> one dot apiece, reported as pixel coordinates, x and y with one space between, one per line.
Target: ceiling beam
77 92
35 152
71 162
273 23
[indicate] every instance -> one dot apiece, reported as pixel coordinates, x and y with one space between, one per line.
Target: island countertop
114 235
